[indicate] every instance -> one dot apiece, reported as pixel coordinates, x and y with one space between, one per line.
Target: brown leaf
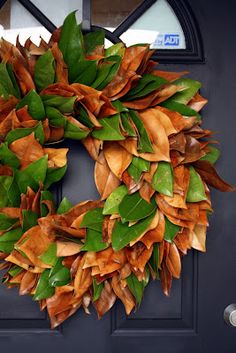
155 235
118 159
67 248
198 240
61 67
173 261
105 180
106 300
56 157
123 293
166 280
27 283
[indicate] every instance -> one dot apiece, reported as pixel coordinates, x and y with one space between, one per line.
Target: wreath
153 165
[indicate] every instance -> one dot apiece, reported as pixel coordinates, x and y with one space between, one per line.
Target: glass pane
110 13
158 26
15 19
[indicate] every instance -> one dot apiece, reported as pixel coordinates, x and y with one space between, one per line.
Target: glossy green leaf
5 184
44 289
45 195
8 240
17 92
93 220
92 40
189 88
115 49
74 132
64 206
87 71
133 208
114 199
137 167
6 222
44 71
180 108
94 241
22 132
144 143
34 103
154 260
97 290
59 274
6 85
126 123
136 287
32 175
30 219
49 257
15 270
211 156
122 234
171 230
56 118
119 106
196 190
63 104
111 129
71 44
106 71
54 175
147 84
82 115
7 157
162 180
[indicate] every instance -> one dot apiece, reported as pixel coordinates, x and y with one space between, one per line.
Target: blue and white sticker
167 41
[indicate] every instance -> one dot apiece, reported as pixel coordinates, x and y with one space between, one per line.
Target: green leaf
211 156
12 190
93 220
32 175
74 132
180 108
82 115
6 222
106 71
59 274
30 219
8 240
189 88
119 106
54 175
22 132
64 206
134 207
49 257
122 234
110 130
154 260
5 185
115 49
162 180
171 230
8 157
56 118
196 190
63 104
137 167
15 270
144 143
45 195
11 74
94 241
136 287
127 125
87 71
71 44
114 199
6 85
44 71
44 289
97 290
93 39
147 84
34 103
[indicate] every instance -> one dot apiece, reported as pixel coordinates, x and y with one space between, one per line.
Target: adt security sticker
167 40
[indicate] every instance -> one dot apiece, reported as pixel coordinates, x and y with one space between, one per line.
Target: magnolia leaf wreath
153 166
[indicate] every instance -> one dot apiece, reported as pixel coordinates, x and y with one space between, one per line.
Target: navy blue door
191 320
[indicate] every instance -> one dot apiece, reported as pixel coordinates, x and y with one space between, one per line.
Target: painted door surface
191 320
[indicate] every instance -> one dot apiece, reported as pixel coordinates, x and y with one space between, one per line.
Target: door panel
191 320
